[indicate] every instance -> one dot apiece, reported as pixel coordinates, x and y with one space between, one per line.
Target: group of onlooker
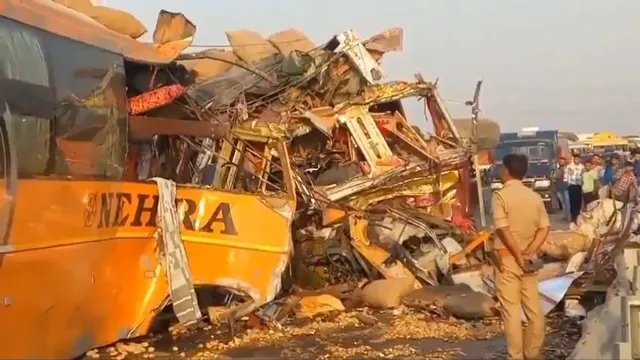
578 184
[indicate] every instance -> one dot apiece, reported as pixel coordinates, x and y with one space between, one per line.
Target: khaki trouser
515 291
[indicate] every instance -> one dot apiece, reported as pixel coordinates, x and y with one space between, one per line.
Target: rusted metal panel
147 127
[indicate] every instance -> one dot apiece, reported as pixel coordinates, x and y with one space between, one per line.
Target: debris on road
343 335
309 306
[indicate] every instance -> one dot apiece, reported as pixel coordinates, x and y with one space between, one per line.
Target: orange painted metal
81 269
78 274
480 239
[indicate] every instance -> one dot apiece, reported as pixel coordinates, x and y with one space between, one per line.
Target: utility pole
475 110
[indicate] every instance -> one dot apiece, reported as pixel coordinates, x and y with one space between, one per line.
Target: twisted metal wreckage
373 195
370 188
315 173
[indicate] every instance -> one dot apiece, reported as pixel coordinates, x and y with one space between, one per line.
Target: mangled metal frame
383 180
234 145
423 170
422 173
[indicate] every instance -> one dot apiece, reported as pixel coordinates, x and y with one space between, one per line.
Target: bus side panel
66 300
237 241
68 287
83 269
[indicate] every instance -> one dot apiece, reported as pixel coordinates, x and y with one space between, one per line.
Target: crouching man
522 226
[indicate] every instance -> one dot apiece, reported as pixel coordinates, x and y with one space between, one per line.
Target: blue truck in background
542 148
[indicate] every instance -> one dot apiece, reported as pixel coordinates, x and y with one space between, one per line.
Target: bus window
25 78
91 120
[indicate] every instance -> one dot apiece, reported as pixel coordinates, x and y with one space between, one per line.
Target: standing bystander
561 187
589 184
598 165
522 226
608 174
573 177
636 162
625 180
611 169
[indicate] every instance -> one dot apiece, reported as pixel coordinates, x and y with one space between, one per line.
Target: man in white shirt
573 178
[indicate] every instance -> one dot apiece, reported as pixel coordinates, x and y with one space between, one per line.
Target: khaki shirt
521 209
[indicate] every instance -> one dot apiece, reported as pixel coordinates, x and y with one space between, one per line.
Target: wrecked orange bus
88 254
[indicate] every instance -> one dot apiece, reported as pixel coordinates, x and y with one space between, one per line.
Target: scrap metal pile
371 188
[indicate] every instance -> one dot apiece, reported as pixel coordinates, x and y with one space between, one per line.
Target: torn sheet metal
176 263
395 181
386 41
552 291
376 255
346 189
362 59
392 91
173 34
323 119
414 186
552 287
366 134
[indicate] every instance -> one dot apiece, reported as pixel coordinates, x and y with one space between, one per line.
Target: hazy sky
557 64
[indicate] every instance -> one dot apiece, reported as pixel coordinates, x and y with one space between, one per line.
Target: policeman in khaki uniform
522 226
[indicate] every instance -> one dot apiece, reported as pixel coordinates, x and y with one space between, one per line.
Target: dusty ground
362 333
